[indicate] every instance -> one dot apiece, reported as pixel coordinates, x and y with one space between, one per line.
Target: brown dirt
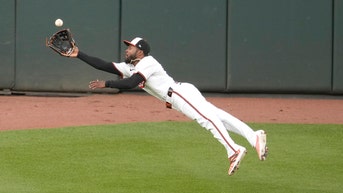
27 112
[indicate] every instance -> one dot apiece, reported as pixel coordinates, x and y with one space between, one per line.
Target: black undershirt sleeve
98 63
126 83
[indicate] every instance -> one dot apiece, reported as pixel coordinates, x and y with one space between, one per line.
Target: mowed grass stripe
168 157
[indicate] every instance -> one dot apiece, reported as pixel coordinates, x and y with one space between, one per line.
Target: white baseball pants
187 99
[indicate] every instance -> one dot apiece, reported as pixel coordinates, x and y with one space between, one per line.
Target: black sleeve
98 63
126 83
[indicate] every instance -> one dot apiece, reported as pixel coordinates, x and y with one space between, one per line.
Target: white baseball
58 22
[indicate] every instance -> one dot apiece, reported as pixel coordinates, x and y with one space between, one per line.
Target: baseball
58 22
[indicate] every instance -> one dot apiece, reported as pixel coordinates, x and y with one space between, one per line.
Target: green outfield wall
7 44
265 46
337 74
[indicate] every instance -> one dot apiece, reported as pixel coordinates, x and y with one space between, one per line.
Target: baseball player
143 70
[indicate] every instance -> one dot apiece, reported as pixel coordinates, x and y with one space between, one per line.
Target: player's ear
141 53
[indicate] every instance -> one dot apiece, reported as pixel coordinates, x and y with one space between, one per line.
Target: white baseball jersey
157 81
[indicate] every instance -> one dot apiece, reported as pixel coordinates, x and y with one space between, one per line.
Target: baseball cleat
236 159
261 145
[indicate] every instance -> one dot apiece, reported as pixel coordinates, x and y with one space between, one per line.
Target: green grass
168 157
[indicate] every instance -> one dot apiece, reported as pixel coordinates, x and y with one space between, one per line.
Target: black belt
169 93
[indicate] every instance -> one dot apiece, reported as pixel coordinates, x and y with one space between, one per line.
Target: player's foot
261 145
236 159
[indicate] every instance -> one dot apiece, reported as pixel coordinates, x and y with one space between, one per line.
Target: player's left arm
126 83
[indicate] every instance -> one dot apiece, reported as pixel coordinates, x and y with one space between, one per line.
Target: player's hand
75 52
97 84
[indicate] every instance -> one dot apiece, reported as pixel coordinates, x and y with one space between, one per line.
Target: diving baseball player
143 70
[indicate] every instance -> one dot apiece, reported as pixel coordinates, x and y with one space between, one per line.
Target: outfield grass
168 157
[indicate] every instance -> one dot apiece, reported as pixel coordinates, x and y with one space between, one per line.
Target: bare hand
97 84
75 52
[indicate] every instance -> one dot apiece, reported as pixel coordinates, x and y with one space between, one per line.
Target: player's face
131 53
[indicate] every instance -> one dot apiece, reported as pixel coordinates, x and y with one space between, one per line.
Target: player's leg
257 139
216 127
188 100
237 126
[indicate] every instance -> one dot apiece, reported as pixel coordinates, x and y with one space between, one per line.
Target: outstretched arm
126 83
95 62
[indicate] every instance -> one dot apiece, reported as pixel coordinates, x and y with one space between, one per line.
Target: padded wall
187 37
7 43
280 46
338 47
275 46
95 28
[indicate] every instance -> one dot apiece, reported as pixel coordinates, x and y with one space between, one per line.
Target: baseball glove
62 42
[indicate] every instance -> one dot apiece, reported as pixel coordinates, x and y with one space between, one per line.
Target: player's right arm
98 63
95 62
